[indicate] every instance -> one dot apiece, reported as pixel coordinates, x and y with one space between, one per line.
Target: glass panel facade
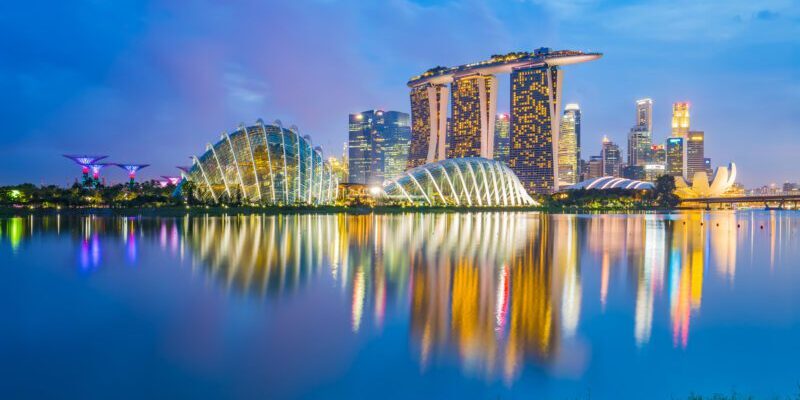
468 182
264 164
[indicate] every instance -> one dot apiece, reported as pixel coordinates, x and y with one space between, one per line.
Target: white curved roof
466 182
612 182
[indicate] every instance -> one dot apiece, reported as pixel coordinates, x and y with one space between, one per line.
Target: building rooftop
504 63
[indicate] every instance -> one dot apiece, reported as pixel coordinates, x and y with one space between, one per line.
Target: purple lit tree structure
132 170
170 180
96 167
86 162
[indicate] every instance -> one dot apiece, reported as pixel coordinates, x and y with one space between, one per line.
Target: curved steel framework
471 182
266 164
611 182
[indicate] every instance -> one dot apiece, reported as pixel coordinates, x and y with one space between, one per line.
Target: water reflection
496 292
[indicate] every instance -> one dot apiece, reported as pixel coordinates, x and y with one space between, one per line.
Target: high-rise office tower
595 167
640 137
535 115
569 145
676 156
644 114
695 153
680 119
709 170
611 157
474 100
639 143
502 140
658 154
429 130
378 146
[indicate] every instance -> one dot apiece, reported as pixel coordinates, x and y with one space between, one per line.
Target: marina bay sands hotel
536 79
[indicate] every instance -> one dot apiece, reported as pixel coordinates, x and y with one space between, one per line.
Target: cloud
679 20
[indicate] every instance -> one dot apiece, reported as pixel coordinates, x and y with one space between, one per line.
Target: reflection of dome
265 164
471 181
723 180
610 182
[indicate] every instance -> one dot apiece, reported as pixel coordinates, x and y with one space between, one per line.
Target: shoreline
354 210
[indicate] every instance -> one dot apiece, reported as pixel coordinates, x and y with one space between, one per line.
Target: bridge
779 200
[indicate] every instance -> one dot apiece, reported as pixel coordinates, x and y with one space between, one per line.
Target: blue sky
153 81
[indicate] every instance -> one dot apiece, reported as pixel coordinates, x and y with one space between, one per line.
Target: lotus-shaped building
700 187
467 182
265 164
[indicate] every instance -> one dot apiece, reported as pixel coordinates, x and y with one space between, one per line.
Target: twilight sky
153 81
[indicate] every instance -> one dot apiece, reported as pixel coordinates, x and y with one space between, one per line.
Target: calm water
486 305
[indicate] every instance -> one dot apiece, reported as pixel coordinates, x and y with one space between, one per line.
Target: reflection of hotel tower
497 306
535 112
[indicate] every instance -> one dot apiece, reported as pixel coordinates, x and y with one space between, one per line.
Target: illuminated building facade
612 158
473 116
695 154
429 123
266 164
502 140
653 171
676 156
595 167
639 143
535 114
680 119
644 114
466 182
534 120
722 181
377 146
658 154
569 145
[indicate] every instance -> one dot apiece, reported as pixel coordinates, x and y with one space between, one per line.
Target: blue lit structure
132 170
87 163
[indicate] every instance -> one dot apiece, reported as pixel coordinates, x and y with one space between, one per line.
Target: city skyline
122 79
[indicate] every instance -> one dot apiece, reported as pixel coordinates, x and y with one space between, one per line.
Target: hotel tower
536 80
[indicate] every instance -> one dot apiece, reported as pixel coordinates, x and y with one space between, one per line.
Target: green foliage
664 193
121 195
597 199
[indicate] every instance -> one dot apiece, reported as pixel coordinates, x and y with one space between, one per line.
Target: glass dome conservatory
472 182
266 164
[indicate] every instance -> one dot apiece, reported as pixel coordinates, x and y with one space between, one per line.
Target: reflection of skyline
495 291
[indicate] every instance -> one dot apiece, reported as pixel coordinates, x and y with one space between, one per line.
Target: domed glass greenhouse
265 164
470 182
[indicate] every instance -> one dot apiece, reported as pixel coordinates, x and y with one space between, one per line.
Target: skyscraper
640 137
429 130
473 115
695 153
595 167
569 145
378 146
611 157
680 119
639 142
676 156
644 114
535 106
502 140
